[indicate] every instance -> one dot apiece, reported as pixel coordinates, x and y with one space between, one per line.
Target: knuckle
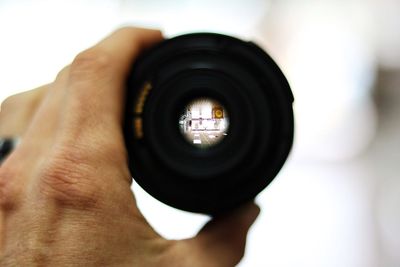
19 102
10 103
8 190
90 64
62 74
65 178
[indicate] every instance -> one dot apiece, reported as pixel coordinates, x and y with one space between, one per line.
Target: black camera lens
204 122
208 123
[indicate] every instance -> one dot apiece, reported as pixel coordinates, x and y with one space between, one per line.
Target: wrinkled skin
65 197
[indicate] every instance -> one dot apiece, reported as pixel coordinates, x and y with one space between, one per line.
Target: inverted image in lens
204 122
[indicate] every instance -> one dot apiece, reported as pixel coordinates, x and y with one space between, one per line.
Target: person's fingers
222 241
125 44
16 171
97 79
46 121
15 116
78 121
17 111
78 127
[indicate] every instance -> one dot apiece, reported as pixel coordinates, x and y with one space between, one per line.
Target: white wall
318 212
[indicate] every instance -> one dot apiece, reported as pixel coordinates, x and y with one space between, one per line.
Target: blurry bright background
337 200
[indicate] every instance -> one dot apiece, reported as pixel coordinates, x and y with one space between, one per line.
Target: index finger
97 78
126 43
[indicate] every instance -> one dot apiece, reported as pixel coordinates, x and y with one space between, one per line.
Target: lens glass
204 122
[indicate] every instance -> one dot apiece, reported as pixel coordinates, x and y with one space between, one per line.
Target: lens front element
204 122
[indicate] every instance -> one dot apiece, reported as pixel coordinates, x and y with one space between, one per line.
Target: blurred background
337 200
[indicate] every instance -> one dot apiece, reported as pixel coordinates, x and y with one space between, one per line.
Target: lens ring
176 154
263 90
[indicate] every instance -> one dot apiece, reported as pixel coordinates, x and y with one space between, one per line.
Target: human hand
65 190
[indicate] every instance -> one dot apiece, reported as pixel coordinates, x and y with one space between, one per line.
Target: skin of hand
65 196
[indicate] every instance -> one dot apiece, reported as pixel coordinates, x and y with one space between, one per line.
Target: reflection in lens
204 122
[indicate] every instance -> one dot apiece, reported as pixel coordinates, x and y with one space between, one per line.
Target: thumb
222 241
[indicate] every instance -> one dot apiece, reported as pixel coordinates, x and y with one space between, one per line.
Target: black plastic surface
247 82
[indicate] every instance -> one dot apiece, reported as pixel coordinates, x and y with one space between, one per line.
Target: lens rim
253 77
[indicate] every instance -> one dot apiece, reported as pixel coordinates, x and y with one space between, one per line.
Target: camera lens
204 122
208 122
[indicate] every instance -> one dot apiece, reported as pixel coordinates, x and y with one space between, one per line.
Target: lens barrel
255 94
